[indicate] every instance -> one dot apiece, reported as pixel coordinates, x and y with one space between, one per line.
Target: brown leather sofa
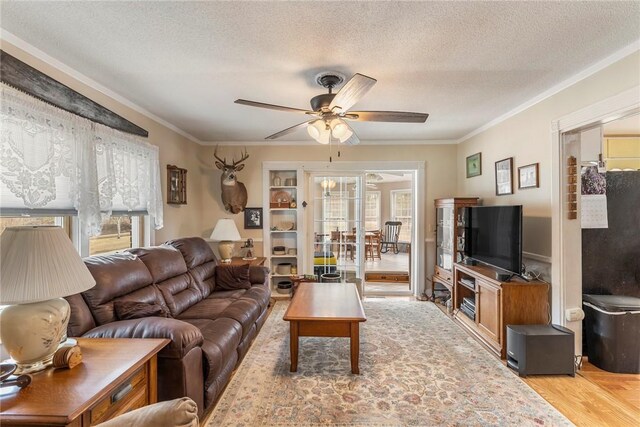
210 328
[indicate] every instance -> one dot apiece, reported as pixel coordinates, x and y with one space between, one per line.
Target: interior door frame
566 289
418 250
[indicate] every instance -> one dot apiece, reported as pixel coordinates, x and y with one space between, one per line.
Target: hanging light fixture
327 184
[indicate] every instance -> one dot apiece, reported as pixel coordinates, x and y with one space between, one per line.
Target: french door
337 232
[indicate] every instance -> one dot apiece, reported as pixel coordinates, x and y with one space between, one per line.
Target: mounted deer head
234 193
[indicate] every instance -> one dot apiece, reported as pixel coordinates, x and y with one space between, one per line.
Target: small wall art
252 218
474 165
528 176
504 177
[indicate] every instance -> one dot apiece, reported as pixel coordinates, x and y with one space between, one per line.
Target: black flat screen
493 235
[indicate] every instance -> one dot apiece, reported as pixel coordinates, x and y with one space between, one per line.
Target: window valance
54 161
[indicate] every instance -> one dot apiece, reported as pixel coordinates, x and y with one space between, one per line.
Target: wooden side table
115 376
239 261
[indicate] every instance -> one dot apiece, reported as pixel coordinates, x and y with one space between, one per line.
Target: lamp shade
38 264
338 128
225 230
319 131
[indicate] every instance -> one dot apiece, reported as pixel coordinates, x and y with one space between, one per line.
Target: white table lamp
38 266
226 233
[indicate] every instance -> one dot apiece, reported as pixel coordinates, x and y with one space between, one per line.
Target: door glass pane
372 211
337 225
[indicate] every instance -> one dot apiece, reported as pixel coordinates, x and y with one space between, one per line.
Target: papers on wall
593 211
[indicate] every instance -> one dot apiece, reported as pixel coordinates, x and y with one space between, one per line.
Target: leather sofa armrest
259 275
181 412
183 335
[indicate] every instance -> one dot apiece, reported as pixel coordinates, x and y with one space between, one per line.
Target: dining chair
335 241
372 243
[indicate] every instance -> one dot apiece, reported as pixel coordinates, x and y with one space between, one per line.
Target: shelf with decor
283 220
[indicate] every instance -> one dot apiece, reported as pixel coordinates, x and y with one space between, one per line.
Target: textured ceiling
465 63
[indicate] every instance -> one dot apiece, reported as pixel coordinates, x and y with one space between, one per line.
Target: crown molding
310 142
587 72
44 57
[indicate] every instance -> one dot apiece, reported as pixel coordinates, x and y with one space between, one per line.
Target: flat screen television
493 235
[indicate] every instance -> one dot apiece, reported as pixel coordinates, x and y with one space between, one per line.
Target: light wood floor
594 397
387 262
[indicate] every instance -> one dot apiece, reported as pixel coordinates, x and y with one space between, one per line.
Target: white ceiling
389 177
465 63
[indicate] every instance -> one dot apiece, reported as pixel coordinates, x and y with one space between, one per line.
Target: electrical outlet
574 314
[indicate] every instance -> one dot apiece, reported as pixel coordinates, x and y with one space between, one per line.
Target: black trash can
612 332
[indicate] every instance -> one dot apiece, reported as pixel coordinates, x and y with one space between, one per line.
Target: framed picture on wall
528 176
474 165
252 218
504 177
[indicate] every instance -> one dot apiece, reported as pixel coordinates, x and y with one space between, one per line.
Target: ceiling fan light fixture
347 135
338 128
318 131
314 130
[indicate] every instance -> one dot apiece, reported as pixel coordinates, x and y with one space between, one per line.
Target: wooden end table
325 310
115 376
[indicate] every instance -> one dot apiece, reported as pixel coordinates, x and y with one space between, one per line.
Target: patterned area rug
417 369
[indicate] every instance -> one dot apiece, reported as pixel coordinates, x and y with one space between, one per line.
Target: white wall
527 138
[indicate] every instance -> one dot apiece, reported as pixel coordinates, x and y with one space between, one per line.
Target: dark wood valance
29 80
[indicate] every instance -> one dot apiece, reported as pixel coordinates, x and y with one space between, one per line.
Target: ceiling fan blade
272 106
288 130
351 92
387 116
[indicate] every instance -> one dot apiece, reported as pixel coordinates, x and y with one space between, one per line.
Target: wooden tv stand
498 304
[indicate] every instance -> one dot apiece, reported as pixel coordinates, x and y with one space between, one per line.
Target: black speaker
540 350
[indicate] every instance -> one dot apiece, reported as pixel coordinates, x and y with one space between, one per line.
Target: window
372 211
335 212
67 165
29 220
117 233
402 210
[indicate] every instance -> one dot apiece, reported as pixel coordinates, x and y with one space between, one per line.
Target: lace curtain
54 161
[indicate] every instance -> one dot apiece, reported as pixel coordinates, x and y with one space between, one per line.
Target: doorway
389 221
362 228
566 224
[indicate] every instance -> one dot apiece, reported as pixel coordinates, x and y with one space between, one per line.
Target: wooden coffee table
326 310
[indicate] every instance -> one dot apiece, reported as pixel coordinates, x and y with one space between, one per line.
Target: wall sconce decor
176 185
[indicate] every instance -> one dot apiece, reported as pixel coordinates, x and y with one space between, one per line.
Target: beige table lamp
226 233
38 266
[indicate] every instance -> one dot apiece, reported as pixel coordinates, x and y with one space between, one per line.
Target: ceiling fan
330 111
